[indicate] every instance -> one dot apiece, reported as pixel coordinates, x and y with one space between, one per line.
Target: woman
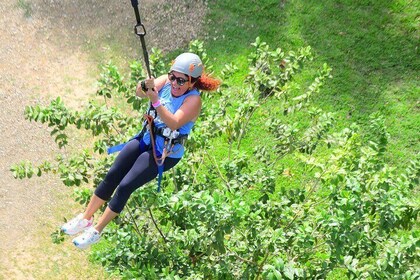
176 100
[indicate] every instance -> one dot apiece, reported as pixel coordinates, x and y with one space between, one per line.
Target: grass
372 47
40 258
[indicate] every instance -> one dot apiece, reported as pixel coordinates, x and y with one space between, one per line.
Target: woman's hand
151 92
139 91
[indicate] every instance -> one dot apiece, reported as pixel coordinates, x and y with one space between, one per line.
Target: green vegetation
26 7
324 204
303 165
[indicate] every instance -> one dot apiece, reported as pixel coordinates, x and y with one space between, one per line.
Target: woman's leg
116 173
106 217
143 171
94 204
122 164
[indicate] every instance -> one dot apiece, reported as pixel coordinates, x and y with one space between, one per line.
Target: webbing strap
140 31
116 148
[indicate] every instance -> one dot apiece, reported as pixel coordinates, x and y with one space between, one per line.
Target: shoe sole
83 247
76 232
79 246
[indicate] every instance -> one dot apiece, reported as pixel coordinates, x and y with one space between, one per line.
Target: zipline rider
176 100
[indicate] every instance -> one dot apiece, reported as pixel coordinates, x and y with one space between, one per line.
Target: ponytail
207 83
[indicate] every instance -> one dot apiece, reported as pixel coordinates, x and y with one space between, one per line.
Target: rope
159 161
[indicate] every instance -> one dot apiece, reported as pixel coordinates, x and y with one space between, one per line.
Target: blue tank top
172 104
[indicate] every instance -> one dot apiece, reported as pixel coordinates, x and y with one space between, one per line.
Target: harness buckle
174 137
152 112
174 134
167 132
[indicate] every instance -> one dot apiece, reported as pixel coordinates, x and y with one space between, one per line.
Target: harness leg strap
116 148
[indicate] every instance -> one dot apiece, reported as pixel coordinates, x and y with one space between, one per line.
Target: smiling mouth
176 88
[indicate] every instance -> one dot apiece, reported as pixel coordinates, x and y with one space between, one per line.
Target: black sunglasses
179 81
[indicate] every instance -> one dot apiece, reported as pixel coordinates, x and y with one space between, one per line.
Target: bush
240 212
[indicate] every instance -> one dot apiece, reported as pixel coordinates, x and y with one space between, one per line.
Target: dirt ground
46 51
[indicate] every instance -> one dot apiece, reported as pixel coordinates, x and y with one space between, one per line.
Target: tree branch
156 225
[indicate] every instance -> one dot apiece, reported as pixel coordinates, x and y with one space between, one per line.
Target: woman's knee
120 198
113 174
105 190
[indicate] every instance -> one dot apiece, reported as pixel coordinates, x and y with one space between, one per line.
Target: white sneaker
76 225
87 238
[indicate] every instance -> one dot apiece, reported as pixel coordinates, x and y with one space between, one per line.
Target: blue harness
119 147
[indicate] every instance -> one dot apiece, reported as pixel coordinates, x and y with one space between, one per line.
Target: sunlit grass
372 47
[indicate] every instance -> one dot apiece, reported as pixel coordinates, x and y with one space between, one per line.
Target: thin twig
248 119
242 259
306 199
174 179
157 227
134 221
218 170
113 126
260 268
196 171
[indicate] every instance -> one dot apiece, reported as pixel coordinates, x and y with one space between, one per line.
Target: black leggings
133 167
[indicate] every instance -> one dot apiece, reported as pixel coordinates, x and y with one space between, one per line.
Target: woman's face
179 83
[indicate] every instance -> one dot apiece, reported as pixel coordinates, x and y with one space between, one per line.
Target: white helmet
189 64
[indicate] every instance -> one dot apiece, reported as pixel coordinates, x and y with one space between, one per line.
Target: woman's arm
160 82
189 111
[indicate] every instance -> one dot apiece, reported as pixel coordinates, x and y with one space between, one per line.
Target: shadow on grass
367 47
366 44
372 47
